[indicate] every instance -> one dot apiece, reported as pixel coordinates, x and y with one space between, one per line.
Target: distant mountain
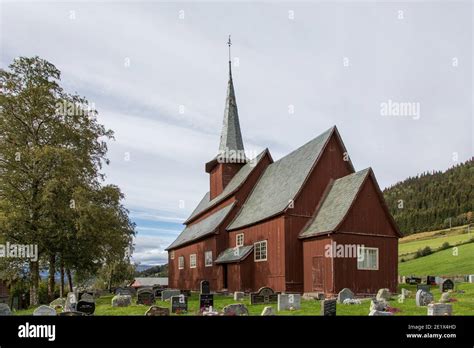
153 271
141 268
433 201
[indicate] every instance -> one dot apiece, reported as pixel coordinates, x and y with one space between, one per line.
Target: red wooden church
288 224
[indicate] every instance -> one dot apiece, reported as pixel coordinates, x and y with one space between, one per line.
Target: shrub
445 246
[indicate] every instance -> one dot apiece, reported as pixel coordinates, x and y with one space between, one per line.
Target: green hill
441 263
432 201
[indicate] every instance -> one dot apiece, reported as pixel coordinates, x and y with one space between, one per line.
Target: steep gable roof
336 204
234 254
238 179
281 182
202 228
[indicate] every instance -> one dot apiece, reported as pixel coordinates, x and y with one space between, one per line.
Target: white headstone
423 298
288 302
437 309
44 310
239 295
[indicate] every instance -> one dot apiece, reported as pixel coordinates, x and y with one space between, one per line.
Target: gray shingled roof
280 183
336 204
231 137
234 254
202 228
236 181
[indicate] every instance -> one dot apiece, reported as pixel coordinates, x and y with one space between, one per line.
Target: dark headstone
123 291
5 309
205 287
446 285
328 307
206 301
236 309
179 304
155 311
431 280
413 280
146 296
86 307
423 287
263 295
157 290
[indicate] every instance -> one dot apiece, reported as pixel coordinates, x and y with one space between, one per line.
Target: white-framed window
239 240
181 262
208 258
369 259
260 251
172 254
192 261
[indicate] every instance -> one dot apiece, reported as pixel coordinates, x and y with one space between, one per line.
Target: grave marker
264 295
236 309
146 296
328 307
205 287
155 311
344 294
167 294
446 285
289 302
179 304
437 309
423 298
44 310
206 301
5 310
423 287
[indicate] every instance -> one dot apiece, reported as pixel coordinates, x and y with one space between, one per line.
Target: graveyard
462 304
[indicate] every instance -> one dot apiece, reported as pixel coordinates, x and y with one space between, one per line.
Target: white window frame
257 246
366 267
192 261
172 255
181 262
206 258
237 237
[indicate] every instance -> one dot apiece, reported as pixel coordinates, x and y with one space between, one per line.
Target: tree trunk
69 278
61 288
34 285
51 280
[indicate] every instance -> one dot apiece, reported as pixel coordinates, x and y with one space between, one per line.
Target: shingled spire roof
231 137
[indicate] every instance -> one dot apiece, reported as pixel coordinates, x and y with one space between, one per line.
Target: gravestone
179 304
155 311
146 296
445 297
239 295
44 310
210 312
235 309
470 278
72 314
352 301
5 310
287 302
263 295
206 301
383 294
446 285
413 280
268 311
87 307
344 294
328 307
405 292
423 298
157 290
378 305
438 280
205 287
424 287
440 309
60 301
121 301
380 313
431 280
167 294
71 302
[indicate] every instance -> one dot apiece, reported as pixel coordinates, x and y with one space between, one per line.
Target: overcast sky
157 74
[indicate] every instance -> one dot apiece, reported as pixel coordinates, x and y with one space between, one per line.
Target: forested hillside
433 200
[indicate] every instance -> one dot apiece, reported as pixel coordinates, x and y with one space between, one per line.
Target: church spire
231 137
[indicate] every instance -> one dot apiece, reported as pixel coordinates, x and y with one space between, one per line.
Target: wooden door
318 273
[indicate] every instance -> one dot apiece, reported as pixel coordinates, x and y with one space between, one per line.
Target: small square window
369 259
208 258
181 262
260 251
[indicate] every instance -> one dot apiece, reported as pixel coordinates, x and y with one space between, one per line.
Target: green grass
464 305
433 243
441 263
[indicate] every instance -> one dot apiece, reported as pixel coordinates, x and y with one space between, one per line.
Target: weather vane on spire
229 43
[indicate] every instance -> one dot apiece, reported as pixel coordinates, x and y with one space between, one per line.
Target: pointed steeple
231 137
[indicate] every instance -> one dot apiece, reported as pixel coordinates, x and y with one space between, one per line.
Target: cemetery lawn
463 306
441 262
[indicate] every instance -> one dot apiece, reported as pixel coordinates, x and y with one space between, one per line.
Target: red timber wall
189 278
271 272
221 175
367 223
330 166
317 266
